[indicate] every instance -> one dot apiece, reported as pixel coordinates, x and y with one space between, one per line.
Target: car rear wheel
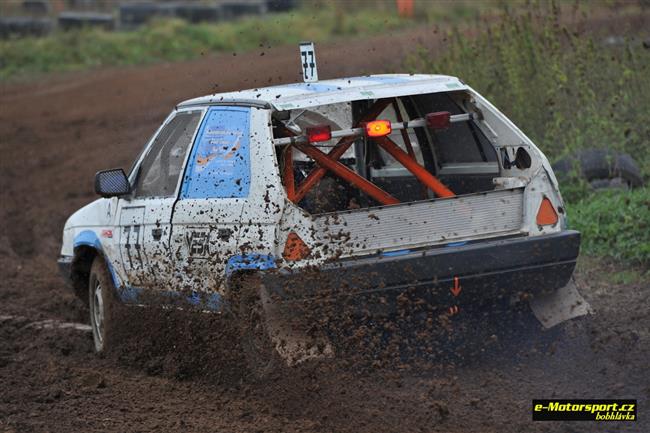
101 302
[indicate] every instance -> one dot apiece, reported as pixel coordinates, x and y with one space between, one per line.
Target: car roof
304 95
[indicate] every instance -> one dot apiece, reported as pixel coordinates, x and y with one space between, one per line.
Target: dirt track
55 134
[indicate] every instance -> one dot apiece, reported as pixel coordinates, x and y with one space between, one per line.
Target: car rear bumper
520 266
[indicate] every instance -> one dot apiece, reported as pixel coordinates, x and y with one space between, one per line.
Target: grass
566 91
173 40
614 224
611 271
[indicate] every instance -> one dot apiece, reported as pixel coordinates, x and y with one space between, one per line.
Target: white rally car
366 188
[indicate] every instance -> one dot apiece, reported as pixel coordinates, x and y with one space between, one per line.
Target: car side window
161 167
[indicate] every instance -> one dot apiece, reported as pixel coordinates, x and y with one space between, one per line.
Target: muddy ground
55 133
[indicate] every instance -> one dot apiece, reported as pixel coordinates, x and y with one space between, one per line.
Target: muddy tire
262 359
102 304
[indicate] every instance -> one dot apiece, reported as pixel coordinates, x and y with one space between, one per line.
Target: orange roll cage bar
330 162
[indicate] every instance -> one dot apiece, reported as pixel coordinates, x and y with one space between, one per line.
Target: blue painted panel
193 299
214 302
258 262
170 298
395 253
309 87
88 238
219 166
116 279
129 295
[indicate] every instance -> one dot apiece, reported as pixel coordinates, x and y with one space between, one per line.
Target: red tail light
378 128
295 248
546 215
439 120
319 133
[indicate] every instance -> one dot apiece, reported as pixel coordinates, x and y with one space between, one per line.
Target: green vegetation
567 92
172 40
611 272
614 224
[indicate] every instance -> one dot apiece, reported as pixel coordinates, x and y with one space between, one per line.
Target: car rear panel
423 223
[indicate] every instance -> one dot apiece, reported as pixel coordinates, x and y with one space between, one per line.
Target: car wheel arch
82 261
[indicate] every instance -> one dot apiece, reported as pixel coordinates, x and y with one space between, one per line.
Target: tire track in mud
45 324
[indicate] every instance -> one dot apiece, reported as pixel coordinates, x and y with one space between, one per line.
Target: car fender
95 217
87 233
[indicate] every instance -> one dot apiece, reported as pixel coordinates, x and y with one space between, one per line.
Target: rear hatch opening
434 178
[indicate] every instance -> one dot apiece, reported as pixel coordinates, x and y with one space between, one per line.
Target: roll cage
287 140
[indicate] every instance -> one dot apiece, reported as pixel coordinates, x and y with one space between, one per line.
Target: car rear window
462 141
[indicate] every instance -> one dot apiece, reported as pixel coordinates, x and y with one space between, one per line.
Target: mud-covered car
364 189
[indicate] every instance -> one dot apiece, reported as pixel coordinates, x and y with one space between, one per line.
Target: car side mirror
112 183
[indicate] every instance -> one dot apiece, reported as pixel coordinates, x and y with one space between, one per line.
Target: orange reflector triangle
295 248
546 214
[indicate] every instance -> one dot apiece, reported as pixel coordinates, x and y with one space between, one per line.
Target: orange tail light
295 248
546 215
378 128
